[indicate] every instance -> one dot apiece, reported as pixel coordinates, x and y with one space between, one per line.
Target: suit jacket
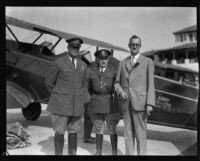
68 87
137 82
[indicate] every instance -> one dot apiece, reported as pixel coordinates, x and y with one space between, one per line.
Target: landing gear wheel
32 112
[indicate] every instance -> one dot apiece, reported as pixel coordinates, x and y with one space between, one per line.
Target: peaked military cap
74 42
102 54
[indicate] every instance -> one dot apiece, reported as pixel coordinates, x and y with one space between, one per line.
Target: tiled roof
184 46
188 29
179 47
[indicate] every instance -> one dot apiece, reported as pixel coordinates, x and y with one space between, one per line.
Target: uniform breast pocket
94 78
110 80
81 72
65 75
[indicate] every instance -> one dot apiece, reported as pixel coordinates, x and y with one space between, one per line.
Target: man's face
103 63
134 46
73 52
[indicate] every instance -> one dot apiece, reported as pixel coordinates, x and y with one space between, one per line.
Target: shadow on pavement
184 140
192 150
180 139
47 147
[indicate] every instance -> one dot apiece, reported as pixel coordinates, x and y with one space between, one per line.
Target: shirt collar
102 68
75 60
71 58
135 57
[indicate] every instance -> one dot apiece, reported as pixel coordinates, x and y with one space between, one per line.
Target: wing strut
12 34
56 43
37 38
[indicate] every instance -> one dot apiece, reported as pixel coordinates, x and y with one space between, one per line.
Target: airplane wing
60 34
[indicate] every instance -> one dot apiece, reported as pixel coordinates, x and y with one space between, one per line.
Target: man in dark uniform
101 79
66 81
88 125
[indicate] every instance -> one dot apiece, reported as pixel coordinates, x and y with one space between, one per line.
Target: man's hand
149 110
123 95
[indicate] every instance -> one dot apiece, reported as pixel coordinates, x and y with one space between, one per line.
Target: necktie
132 61
101 70
73 62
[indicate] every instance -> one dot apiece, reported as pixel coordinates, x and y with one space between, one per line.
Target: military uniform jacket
101 87
68 87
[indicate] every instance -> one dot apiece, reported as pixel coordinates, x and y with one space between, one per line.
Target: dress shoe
90 140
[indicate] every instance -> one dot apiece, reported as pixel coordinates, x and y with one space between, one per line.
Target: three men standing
68 80
135 86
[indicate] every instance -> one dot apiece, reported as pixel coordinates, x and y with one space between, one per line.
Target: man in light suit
134 86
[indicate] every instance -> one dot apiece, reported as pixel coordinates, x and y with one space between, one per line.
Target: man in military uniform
102 106
66 81
88 125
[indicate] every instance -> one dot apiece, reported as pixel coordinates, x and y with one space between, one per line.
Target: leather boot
114 140
87 132
88 125
72 143
99 141
58 143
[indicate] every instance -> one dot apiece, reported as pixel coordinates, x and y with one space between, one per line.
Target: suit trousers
135 128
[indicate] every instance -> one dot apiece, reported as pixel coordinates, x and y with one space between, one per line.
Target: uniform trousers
99 119
70 123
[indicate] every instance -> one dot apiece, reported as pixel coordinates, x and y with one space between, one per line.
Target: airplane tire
32 111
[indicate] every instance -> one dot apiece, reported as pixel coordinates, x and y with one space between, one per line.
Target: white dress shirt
134 58
102 69
75 61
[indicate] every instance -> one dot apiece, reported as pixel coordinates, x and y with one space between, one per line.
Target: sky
115 25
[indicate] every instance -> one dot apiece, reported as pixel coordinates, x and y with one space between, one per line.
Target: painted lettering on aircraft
164 103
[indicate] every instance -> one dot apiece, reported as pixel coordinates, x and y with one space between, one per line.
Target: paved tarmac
161 140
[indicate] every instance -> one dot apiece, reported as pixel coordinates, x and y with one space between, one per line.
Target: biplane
27 64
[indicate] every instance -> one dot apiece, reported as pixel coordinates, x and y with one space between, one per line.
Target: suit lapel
138 62
128 64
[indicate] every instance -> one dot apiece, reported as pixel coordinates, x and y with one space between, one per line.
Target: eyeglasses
137 45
